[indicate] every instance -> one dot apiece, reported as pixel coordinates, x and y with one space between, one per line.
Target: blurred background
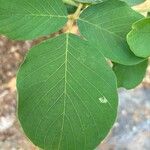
130 132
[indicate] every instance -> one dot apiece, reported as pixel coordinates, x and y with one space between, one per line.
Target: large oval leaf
67 95
24 19
130 76
139 38
105 26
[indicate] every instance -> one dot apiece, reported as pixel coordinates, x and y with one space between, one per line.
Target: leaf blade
104 28
139 37
90 1
130 76
63 91
24 20
133 2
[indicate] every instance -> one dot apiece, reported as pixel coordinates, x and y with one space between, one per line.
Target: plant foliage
67 91
140 33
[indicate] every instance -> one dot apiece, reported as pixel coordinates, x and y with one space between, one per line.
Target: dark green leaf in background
133 2
67 95
70 2
105 26
130 76
71 9
90 1
24 19
139 38
129 2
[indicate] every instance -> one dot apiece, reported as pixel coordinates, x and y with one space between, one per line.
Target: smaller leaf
129 2
130 76
70 2
71 9
105 26
27 20
89 1
133 2
139 38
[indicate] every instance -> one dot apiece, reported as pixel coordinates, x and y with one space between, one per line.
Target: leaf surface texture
67 95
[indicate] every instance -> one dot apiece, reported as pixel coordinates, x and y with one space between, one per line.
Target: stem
77 13
74 17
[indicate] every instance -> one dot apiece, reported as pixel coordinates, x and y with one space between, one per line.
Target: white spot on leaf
103 100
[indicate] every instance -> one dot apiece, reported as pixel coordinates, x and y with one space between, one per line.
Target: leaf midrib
65 89
37 15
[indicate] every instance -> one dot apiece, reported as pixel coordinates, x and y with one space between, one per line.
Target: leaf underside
67 95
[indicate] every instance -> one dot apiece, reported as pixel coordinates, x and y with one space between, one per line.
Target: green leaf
70 2
129 2
105 26
23 19
139 38
71 9
130 76
67 95
133 2
89 1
